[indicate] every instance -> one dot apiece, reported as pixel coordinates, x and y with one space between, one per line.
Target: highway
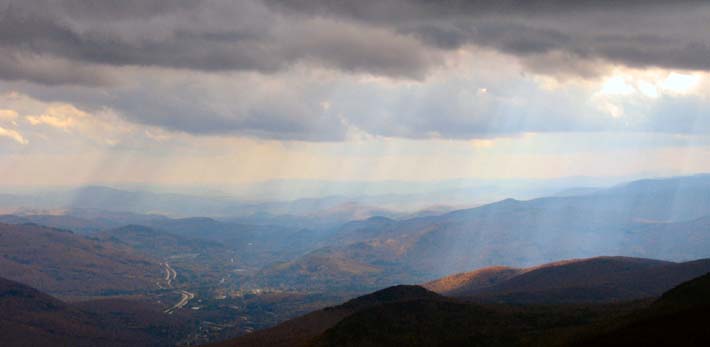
185 296
170 275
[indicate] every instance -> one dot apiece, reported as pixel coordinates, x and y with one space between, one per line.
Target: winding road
185 296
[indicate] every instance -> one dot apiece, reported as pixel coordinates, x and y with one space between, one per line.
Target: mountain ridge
577 280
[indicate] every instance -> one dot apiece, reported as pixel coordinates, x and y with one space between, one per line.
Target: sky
229 92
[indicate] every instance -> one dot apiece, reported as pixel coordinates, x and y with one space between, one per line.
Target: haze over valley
221 277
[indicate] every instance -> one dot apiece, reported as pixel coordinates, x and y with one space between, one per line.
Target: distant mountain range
665 218
661 218
294 203
244 275
81 201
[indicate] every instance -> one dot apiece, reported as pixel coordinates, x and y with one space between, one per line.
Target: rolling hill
82 221
67 222
466 282
63 263
197 260
256 245
159 243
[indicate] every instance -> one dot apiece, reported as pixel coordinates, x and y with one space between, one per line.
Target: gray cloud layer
198 35
217 35
93 43
633 33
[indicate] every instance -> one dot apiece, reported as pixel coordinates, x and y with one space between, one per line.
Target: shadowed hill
695 292
421 322
571 301
32 318
300 331
391 294
678 318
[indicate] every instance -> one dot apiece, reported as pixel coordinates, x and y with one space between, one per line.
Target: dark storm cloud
216 35
633 33
199 35
93 34
398 10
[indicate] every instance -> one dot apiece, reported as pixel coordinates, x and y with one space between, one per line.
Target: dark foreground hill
32 318
300 331
678 318
414 316
565 303
600 279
